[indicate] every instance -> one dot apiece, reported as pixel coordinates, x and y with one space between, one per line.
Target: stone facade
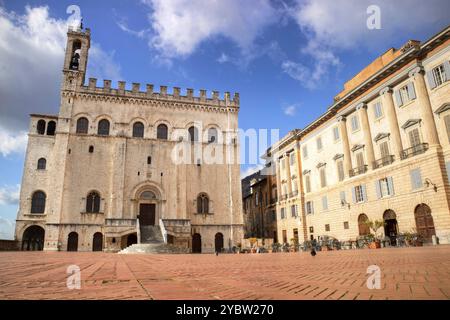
96 175
380 152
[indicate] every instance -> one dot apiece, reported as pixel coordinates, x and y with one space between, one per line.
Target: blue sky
287 59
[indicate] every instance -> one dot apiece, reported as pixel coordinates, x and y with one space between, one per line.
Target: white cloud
250 170
12 143
223 58
6 229
333 26
9 195
31 58
180 26
290 110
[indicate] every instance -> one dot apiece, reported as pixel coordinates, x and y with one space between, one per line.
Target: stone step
152 248
151 234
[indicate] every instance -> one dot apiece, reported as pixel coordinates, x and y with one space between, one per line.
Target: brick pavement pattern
406 273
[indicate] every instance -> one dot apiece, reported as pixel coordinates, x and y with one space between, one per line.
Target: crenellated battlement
213 98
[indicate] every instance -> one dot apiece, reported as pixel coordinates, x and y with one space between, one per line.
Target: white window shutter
447 70
430 79
411 91
398 98
354 195
364 192
447 165
378 189
391 185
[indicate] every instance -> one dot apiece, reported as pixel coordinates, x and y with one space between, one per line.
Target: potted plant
375 241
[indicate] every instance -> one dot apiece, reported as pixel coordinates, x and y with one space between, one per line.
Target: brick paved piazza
407 273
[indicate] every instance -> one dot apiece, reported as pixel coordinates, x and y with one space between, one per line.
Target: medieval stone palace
105 173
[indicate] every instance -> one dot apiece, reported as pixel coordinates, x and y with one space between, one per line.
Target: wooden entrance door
147 214
72 242
218 242
97 242
424 222
196 243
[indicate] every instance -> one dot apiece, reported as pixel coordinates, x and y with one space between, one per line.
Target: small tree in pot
375 226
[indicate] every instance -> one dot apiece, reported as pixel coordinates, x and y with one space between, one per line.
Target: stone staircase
152 242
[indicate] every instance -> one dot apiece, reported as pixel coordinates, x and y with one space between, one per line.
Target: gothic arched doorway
218 242
97 242
424 222
390 226
72 242
196 243
33 239
362 225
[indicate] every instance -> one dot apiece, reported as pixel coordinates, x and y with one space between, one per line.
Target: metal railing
358 170
293 194
414 151
383 161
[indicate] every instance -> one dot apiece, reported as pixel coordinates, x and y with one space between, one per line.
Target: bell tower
76 57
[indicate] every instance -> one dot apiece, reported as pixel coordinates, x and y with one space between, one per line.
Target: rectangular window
283 213
323 177
327 227
416 179
324 203
378 110
307 183
414 137
404 94
305 152
284 236
447 125
359 194
292 158
340 168
293 211
384 187
384 149
319 143
360 159
309 208
439 75
336 134
346 225
355 123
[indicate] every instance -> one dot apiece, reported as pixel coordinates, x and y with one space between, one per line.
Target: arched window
42 164
162 132
82 125
40 128
193 134
93 202
103 128
51 128
138 130
38 202
212 135
202 203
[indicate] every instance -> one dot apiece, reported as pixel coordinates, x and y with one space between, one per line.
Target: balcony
273 200
293 194
283 197
358 170
414 151
383 161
